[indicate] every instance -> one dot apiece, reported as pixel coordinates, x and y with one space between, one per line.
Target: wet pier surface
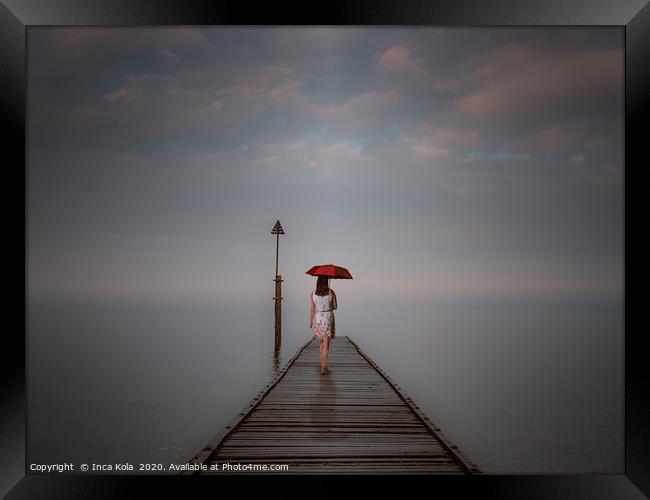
352 420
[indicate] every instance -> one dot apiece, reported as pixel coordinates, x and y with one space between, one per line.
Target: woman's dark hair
321 286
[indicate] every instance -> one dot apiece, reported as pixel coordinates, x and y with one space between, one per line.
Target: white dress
323 316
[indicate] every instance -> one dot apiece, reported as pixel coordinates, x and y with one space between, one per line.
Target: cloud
297 156
519 80
428 141
399 59
455 135
355 114
358 114
426 149
448 135
299 145
562 137
285 92
118 95
338 150
359 104
447 85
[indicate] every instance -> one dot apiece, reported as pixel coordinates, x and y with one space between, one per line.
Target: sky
439 165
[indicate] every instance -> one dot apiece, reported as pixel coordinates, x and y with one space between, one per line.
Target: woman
321 317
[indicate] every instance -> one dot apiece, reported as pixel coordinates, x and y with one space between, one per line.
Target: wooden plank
328 440
353 420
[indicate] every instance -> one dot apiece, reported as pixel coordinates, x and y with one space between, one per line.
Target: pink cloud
339 149
450 135
448 84
561 137
285 92
354 115
299 145
426 149
399 59
518 79
118 95
298 153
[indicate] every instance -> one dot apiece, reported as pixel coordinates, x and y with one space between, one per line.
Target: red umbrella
330 271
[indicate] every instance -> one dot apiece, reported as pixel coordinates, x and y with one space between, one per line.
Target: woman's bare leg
326 349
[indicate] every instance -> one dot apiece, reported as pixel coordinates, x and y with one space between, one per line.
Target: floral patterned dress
323 316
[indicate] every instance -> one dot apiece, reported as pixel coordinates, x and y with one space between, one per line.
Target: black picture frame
17 15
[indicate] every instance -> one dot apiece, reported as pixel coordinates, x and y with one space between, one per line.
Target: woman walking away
321 317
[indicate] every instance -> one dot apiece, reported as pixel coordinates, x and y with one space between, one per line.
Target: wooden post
277 230
278 310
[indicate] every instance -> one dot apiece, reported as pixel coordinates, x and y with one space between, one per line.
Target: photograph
282 250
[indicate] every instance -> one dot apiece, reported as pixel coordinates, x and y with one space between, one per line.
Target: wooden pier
353 420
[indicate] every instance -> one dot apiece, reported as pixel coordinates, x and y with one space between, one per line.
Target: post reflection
277 357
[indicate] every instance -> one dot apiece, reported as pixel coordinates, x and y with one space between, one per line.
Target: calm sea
519 390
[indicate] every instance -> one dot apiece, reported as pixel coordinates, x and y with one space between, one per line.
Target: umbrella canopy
330 271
